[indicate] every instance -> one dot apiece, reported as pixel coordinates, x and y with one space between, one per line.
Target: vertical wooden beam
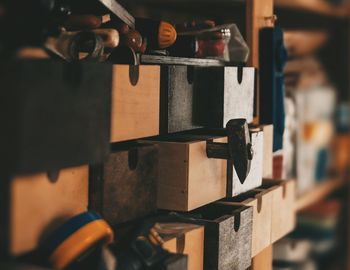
263 261
259 14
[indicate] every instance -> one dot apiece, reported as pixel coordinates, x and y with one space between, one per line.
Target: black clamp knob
238 150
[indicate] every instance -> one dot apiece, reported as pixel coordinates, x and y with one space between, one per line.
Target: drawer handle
259 203
238 150
134 74
190 74
237 222
133 158
53 176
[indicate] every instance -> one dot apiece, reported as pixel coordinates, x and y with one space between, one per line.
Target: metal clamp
238 150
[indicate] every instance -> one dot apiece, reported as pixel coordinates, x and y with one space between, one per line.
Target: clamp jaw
238 150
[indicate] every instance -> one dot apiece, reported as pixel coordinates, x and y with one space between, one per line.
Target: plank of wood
319 192
316 6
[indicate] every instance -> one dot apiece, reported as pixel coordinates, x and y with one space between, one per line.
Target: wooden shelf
319 192
320 7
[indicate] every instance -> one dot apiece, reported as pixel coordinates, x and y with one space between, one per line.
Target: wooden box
35 205
184 168
224 93
228 230
125 186
186 239
193 97
54 114
283 213
261 201
254 178
135 102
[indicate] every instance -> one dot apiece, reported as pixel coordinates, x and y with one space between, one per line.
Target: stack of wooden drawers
129 141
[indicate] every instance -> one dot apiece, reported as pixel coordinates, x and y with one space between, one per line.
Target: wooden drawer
228 229
261 201
125 186
186 239
193 97
283 213
135 102
177 98
51 112
184 168
224 93
254 178
38 204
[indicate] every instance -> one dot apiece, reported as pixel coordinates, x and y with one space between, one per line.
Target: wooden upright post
259 14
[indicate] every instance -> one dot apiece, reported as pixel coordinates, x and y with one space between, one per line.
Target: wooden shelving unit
320 7
319 192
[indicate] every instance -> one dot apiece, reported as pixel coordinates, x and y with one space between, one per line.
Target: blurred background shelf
319 192
316 6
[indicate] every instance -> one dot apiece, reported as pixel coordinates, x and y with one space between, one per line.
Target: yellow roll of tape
81 241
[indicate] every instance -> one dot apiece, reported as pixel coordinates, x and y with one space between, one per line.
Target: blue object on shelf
273 58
